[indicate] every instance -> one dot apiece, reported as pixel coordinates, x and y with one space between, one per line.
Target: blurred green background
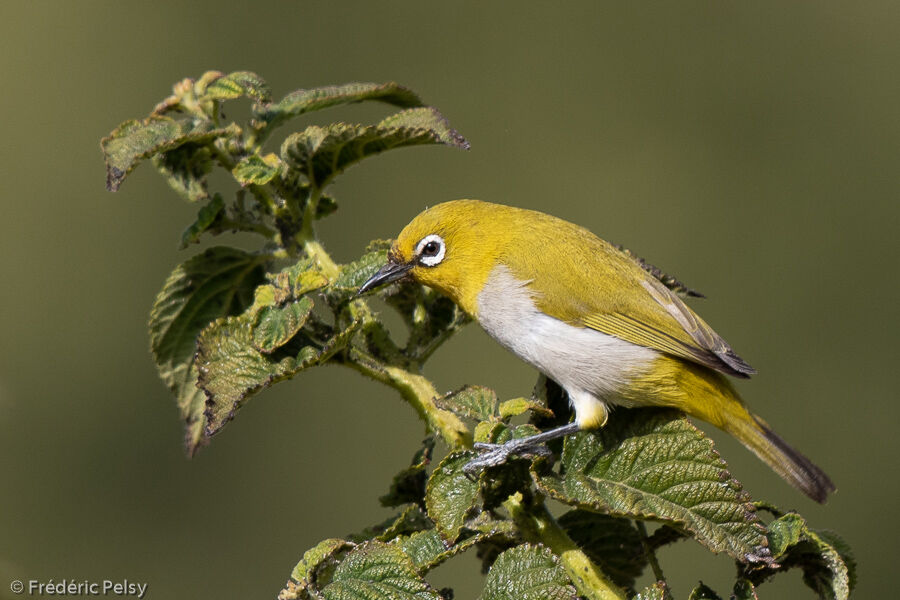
750 149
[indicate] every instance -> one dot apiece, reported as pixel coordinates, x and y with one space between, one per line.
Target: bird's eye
430 250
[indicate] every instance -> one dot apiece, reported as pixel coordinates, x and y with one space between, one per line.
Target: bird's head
451 247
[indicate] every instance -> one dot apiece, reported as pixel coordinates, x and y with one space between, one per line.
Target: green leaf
237 84
206 216
276 325
426 549
703 592
408 486
450 494
315 556
657 591
613 544
377 571
231 369
826 560
517 406
353 275
411 520
744 590
320 153
185 169
256 169
472 401
303 101
133 141
213 284
527 572
653 464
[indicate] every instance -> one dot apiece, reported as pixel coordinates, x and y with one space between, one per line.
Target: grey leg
491 455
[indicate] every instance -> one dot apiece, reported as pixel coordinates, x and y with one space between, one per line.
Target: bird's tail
793 466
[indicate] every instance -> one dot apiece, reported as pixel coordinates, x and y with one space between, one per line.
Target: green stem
649 553
419 392
538 525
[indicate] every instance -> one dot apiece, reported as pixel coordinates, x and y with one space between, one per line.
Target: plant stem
648 551
419 392
538 525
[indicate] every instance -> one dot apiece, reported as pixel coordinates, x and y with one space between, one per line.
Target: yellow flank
574 282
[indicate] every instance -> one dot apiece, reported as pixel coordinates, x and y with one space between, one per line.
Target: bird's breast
578 358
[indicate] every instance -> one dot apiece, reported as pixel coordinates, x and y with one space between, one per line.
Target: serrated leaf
653 464
213 284
257 170
237 84
472 401
612 543
826 560
276 325
320 153
315 556
231 369
185 169
354 274
408 486
527 572
517 406
133 141
303 101
377 571
657 591
703 592
425 548
450 495
206 216
411 520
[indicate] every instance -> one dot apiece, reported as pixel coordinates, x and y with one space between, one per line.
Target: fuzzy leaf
232 370
517 406
527 572
826 560
653 464
411 520
133 141
303 101
377 571
213 284
206 216
473 401
614 544
426 549
276 325
237 84
744 590
257 170
185 169
320 153
450 494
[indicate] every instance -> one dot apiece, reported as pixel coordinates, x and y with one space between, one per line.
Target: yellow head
452 248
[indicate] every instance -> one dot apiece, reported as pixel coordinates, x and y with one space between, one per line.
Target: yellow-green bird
588 316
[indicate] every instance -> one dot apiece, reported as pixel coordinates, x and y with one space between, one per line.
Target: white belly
591 366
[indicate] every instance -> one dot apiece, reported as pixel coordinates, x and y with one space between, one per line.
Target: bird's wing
623 300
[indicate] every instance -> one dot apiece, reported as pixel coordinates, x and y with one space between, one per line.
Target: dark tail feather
793 467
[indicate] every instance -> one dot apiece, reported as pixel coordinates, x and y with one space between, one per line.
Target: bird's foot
492 455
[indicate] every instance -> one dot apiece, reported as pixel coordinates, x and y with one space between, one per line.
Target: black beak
390 272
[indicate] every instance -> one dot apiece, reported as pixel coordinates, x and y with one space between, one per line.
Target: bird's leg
491 455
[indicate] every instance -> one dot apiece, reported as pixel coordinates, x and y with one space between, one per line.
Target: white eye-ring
430 250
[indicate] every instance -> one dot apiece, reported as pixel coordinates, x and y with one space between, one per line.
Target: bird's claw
492 455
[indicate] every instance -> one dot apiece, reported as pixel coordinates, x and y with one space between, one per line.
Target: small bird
589 316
